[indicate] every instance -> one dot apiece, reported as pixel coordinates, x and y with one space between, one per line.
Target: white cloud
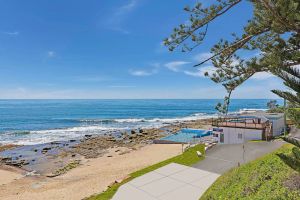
51 54
142 72
262 76
155 65
114 22
92 78
127 7
175 65
202 56
208 90
14 33
197 73
258 90
200 71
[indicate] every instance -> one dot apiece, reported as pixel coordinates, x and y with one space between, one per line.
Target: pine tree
294 160
273 31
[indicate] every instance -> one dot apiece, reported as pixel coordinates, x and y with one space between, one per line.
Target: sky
65 49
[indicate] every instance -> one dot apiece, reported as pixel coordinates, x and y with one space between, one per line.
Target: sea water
41 121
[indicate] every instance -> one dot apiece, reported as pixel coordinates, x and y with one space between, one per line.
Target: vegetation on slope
188 158
265 178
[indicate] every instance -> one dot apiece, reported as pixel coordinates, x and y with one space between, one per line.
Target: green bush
279 109
294 115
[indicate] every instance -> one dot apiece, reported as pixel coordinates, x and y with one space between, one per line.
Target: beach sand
93 176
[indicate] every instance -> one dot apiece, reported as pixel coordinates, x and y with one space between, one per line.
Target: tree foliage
294 116
273 32
272 104
292 160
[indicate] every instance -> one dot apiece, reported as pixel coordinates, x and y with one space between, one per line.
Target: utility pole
284 107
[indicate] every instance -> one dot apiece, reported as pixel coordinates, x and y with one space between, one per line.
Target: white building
241 128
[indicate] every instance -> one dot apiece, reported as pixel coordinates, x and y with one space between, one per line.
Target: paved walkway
223 157
295 133
171 182
179 182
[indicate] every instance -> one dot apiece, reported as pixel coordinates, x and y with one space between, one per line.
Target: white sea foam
115 125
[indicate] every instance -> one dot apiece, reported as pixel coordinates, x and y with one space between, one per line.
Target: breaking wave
90 126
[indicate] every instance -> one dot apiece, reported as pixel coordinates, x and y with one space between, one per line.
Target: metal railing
238 123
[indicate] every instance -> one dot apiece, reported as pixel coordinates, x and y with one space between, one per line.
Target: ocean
28 122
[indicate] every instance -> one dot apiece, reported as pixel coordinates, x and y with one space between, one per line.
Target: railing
236 123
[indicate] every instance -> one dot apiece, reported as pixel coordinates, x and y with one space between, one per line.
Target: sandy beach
93 176
48 171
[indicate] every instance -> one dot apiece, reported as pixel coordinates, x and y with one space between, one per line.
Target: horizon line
140 99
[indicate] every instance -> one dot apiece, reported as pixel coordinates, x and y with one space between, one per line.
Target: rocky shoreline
56 158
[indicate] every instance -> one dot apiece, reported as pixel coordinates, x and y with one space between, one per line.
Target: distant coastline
29 122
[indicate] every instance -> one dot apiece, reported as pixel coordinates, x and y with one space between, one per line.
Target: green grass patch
257 141
263 178
188 158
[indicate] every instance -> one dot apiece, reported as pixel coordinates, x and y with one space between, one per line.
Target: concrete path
295 133
171 182
177 182
223 157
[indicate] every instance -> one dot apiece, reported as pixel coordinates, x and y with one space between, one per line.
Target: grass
256 140
263 178
188 158
66 168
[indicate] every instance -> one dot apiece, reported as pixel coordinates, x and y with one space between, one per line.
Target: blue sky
109 49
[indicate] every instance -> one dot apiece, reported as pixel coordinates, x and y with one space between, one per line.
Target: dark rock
111 139
132 132
54 143
24 162
6 159
46 149
72 140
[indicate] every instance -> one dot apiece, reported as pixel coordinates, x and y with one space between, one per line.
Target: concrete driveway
171 182
178 182
223 157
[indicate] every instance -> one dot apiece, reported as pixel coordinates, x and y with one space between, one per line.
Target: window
240 136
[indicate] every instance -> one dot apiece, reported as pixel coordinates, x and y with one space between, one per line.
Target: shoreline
63 165
92 176
58 154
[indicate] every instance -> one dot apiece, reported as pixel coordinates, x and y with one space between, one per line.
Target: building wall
231 135
278 126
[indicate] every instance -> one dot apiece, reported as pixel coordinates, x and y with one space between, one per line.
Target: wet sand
79 168
92 176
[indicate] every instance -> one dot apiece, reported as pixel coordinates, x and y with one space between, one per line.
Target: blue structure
187 135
